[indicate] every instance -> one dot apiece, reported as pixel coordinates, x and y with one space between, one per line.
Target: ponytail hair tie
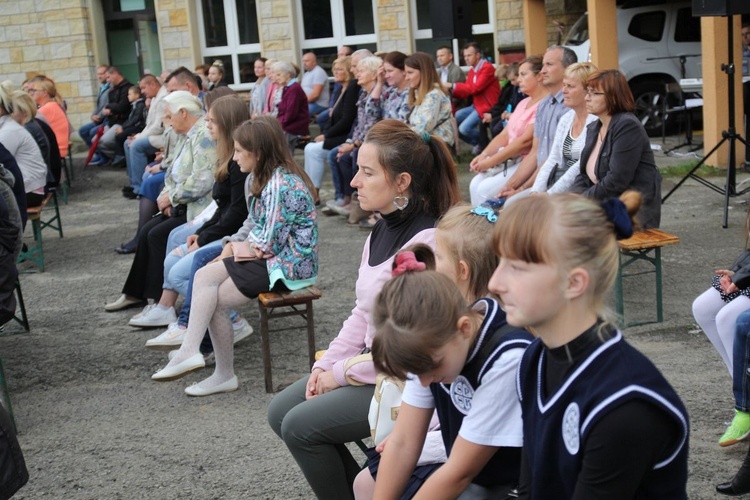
407 262
618 215
425 137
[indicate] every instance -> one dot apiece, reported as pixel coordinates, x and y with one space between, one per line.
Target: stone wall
50 37
509 23
177 37
393 26
278 38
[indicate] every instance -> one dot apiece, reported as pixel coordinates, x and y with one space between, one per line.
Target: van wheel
649 97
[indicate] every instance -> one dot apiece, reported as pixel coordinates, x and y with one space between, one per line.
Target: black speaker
450 18
707 8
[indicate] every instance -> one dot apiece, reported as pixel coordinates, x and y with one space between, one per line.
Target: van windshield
579 33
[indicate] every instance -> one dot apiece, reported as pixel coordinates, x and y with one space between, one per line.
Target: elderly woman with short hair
293 113
187 191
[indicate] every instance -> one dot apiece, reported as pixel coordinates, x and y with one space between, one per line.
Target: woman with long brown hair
431 106
280 252
411 181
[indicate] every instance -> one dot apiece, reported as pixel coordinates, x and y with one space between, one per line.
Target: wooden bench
295 300
642 246
35 253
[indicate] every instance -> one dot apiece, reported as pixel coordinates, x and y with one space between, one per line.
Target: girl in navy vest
599 420
464 253
462 360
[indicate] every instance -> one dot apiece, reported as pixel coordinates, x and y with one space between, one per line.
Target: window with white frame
229 33
482 29
324 25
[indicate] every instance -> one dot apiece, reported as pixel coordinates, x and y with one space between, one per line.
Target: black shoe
740 483
119 163
126 189
123 250
130 195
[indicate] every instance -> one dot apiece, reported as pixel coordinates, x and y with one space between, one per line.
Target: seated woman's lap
315 431
152 185
181 267
484 186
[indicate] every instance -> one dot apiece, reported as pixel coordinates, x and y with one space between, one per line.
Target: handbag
242 251
384 407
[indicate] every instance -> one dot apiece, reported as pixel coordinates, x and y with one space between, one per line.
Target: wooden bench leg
265 347
659 307
310 333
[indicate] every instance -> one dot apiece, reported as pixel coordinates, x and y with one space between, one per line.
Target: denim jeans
136 158
176 251
333 163
88 132
315 108
741 353
468 125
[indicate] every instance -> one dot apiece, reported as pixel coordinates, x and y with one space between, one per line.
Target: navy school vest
453 401
555 429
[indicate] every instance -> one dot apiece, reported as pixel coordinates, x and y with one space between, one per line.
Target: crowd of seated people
226 213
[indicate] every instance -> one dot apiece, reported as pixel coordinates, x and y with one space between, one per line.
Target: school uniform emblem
461 394
571 433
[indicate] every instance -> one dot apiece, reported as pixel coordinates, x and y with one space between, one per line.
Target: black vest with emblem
495 337
555 427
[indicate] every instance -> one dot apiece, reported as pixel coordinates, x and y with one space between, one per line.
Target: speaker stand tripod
729 135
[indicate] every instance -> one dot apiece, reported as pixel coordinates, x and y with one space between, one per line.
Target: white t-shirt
316 76
495 415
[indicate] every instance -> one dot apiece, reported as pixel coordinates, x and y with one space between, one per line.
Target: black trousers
146 275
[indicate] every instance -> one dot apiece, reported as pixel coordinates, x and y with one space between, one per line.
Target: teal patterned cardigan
286 227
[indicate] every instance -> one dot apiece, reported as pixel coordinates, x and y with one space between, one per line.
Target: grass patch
682 169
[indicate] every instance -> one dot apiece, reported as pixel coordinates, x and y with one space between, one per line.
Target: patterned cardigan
286 226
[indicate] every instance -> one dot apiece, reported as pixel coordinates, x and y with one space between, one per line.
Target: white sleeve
555 153
565 182
495 415
417 395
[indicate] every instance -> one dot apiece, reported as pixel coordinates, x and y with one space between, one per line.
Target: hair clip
407 262
425 137
485 212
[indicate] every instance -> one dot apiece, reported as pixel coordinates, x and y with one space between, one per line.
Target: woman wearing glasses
617 156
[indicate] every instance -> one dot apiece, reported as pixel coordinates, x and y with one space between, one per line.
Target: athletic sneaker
241 329
155 316
738 430
172 336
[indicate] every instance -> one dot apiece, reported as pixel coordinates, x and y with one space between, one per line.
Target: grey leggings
315 431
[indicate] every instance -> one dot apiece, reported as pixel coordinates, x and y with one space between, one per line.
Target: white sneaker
144 311
241 329
154 317
172 336
209 358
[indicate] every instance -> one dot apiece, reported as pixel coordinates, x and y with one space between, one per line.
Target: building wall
50 37
394 26
278 29
178 35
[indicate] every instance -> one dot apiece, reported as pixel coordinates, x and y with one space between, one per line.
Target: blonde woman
51 110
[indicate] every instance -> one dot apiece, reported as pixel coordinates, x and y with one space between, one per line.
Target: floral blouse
366 117
391 104
434 116
286 227
190 177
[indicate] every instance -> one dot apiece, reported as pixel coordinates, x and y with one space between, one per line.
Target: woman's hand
260 255
163 202
192 243
345 148
379 448
312 383
481 163
154 169
326 383
727 286
320 138
486 118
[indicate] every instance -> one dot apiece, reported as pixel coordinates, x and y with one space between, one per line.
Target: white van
659 43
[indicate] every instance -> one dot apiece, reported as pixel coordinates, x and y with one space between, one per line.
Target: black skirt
251 277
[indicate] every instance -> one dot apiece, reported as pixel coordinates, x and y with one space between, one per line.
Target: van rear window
648 26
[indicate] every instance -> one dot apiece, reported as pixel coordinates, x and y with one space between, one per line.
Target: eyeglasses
591 93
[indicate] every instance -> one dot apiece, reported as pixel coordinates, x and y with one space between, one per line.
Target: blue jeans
468 124
136 158
88 132
177 251
741 354
322 119
335 177
315 109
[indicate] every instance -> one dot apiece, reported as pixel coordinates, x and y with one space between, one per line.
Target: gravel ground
93 425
